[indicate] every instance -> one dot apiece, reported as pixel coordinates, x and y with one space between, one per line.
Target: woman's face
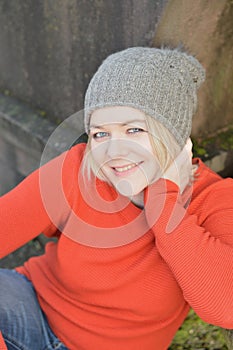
121 149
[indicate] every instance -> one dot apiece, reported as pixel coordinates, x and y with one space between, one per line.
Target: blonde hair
89 166
164 146
163 143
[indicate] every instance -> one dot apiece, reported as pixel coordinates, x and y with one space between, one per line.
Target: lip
126 170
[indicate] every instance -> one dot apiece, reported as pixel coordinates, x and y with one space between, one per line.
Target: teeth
125 168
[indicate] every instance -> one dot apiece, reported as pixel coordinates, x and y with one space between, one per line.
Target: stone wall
48 52
23 134
50 49
28 140
204 28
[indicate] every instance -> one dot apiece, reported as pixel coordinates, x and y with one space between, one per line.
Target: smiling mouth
126 168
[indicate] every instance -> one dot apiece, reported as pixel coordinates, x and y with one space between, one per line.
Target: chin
125 189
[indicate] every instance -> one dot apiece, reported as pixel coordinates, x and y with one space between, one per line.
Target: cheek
152 169
146 147
98 152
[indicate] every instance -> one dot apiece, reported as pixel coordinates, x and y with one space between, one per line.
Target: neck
138 200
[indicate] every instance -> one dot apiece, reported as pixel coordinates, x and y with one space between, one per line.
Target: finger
189 146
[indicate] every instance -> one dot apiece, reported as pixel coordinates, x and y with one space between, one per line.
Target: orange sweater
132 296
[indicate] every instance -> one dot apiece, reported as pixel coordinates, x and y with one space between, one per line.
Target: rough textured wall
48 52
50 49
205 28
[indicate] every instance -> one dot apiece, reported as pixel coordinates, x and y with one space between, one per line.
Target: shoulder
71 163
62 171
210 191
66 160
75 154
208 183
212 202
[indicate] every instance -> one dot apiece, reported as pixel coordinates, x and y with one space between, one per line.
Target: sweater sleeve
38 204
23 216
2 343
197 245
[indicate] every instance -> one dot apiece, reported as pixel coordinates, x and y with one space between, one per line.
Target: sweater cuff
162 199
160 187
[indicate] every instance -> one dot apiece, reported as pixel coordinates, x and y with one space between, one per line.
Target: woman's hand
180 171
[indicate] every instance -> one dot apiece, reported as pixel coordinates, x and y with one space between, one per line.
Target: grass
195 334
206 148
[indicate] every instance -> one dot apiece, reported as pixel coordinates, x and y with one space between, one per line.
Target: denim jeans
22 322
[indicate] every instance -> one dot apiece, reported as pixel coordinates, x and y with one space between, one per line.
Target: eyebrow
123 124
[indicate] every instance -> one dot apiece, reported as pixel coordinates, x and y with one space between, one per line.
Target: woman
143 232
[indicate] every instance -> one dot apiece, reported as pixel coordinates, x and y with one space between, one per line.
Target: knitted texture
128 297
162 83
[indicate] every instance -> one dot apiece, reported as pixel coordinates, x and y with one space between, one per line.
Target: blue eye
100 135
135 130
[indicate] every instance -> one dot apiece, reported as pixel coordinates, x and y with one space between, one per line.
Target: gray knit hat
160 82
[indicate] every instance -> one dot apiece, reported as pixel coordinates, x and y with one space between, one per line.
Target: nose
117 148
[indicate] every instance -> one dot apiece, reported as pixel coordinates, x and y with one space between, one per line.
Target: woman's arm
22 215
38 204
197 244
